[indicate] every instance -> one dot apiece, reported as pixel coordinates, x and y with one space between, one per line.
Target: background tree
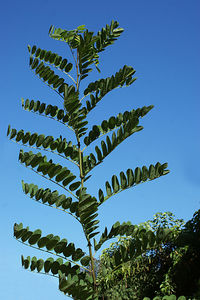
170 269
185 271
147 274
74 268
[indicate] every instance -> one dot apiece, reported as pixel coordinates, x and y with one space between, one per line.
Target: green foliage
51 111
51 242
171 297
160 271
52 198
98 89
75 269
129 277
131 179
58 145
114 123
38 55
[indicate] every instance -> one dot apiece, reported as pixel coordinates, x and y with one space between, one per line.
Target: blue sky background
161 41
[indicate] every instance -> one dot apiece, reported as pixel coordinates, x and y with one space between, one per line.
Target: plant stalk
82 179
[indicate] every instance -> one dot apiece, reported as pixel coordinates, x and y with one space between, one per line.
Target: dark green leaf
85 261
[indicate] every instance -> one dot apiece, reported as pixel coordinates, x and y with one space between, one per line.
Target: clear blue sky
161 41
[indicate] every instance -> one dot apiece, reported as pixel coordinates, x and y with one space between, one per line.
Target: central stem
92 264
82 177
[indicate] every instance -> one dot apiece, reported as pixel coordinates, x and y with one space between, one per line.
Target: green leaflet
25 262
138 176
77 254
39 264
85 261
56 266
50 245
115 184
69 179
132 178
47 265
60 246
123 181
36 235
74 186
44 240
69 250
108 189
